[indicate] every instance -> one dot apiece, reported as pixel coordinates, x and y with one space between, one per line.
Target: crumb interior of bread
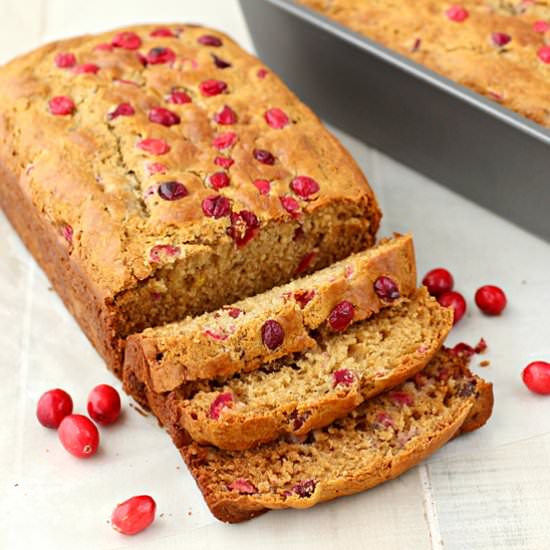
381 428
213 276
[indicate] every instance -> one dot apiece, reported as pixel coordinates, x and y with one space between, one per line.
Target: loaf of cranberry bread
378 441
300 393
498 48
258 330
157 172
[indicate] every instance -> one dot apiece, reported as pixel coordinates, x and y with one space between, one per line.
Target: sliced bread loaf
261 329
378 441
297 394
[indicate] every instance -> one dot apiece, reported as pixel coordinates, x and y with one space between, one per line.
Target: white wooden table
488 490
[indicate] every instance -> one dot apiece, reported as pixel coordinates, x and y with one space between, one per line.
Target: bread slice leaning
247 334
299 393
378 441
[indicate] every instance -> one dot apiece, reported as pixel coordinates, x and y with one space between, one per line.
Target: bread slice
378 441
297 394
261 329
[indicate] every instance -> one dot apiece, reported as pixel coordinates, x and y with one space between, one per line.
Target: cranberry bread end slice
258 330
377 442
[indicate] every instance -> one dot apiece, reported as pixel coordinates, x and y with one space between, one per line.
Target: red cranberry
222 401
291 205
209 40
163 116
541 26
220 63
156 168
343 377
242 486
457 13
104 48
500 39
218 180
262 73
341 316
481 346
154 146
305 263
65 60
263 186
386 288
127 40
543 54
225 140
490 299
158 56
456 301
276 118
86 68
243 228
463 350
438 281
53 406
179 97
224 162
263 156
162 32
79 435
172 191
305 489
104 404
536 376
216 206
401 398
133 515
61 105
226 116
215 335
416 45
124 109
304 186
67 231
233 312
159 251
211 87
272 334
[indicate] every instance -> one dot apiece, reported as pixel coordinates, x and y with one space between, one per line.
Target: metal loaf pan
455 136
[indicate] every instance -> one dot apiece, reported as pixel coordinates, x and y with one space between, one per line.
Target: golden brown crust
466 51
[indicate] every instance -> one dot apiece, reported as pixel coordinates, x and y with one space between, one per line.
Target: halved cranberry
305 489
220 63
263 186
456 302
162 32
226 116
124 109
179 97
242 486
218 180
172 190
225 140
276 118
215 334
209 40
127 40
386 288
343 377
159 115
500 39
341 316
222 401
212 87
304 186
157 56
305 263
291 205
272 334
224 162
385 419
61 105
65 60
154 146
263 156
303 297
457 13
244 226
543 54
216 206
159 251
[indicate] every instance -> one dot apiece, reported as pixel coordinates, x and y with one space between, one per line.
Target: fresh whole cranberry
456 301
158 56
341 316
172 191
124 109
222 401
543 54
226 116
79 435
104 404
218 180
386 288
438 281
179 97
536 376
276 118
161 251
53 406
304 186
212 87
220 63
273 334
500 39
154 146
490 299
457 13
216 206
159 115
263 156
134 515
126 40
209 40
61 105
65 60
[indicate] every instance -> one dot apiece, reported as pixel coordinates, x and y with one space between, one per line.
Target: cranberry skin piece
104 404
216 206
304 186
456 301
276 118
222 401
305 263
273 334
341 316
209 88
79 435
159 115
179 97
172 191
457 13
386 288
157 56
242 486
162 32
438 281
220 63
124 109
263 156
134 515
490 299
65 60
61 105
86 68
53 406
500 39
127 41
209 40
536 376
